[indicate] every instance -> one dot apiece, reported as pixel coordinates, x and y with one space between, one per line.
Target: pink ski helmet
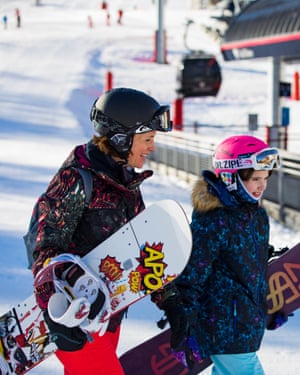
242 152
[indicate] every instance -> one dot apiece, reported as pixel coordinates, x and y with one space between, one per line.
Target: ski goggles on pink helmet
264 160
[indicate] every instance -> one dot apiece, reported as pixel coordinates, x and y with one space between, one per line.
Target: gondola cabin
198 74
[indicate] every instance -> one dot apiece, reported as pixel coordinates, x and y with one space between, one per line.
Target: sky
51 71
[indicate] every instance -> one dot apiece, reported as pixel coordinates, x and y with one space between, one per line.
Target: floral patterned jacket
66 223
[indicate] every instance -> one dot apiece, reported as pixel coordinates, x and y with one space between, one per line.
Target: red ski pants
95 358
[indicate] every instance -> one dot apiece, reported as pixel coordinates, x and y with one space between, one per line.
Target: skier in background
107 18
218 307
18 17
120 16
126 121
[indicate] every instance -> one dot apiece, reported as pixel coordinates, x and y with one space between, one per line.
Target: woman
126 121
222 291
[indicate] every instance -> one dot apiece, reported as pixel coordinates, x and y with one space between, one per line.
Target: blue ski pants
236 364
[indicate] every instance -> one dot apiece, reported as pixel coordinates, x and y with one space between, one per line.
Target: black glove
183 346
177 319
187 352
169 300
65 338
278 319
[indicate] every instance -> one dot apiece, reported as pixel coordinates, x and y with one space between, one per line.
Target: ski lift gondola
198 74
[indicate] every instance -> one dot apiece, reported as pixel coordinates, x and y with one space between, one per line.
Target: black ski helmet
122 112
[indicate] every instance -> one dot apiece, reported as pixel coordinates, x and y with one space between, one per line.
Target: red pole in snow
178 112
296 93
108 81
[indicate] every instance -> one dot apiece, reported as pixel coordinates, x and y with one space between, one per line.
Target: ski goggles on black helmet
104 124
160 122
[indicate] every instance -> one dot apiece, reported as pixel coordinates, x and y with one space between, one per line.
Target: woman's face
142 146
257 183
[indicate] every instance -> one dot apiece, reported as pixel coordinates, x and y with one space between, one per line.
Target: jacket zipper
234 316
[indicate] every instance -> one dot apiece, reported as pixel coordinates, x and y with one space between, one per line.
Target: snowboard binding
72 294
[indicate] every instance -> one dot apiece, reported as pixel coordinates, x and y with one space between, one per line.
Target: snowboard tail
141 257
154 357
284 283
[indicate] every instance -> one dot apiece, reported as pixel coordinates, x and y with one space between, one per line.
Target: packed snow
53 67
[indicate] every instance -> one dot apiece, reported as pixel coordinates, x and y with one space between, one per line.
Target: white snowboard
141 257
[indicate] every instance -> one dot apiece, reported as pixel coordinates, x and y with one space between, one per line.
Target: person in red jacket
126 122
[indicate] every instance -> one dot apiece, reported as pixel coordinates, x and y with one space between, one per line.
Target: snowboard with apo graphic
142 256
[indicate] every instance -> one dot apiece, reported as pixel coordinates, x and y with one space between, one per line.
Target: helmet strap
244 193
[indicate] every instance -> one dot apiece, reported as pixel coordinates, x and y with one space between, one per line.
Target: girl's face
257 183
142 146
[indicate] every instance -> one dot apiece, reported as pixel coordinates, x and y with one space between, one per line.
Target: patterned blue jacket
224 285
